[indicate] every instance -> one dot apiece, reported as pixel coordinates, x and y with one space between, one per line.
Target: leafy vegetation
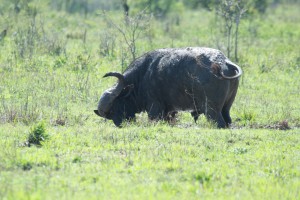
53 55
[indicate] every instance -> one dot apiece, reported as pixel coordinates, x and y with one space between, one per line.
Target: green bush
37 134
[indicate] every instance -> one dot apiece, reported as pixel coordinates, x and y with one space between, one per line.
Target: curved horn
238 69
119 87
116 74
110 95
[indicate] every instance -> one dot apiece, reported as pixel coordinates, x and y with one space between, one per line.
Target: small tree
131 29
240 10
125 8
231 12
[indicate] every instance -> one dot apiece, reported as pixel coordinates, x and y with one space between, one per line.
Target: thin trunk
228 41
236 42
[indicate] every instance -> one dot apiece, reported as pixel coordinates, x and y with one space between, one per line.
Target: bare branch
131 29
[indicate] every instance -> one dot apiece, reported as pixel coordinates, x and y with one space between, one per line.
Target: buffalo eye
126 91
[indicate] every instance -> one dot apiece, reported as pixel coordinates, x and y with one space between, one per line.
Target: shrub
37 134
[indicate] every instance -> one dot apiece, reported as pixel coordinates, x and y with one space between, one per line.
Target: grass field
51 68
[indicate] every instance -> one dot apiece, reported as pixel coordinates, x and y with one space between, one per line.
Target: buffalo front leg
195 114
155 111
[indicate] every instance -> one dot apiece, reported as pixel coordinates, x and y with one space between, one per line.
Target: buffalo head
115 103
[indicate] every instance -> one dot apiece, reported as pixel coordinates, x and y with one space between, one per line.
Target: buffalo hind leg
227 106
226 116
216 117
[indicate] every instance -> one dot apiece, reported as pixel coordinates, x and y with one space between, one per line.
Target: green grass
154 162
58 80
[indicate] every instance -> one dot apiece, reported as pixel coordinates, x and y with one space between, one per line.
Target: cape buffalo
164 81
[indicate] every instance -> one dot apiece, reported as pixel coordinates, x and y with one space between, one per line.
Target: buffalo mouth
117 120
100 113
97 113
107 115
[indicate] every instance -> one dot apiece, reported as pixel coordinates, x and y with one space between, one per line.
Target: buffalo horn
238 70
111 94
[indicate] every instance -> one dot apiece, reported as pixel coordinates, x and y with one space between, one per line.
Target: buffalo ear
97 113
